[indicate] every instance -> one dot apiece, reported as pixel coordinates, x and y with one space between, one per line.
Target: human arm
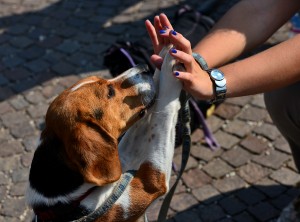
246 25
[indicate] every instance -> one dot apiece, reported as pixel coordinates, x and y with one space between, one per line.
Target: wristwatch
217 78
219 82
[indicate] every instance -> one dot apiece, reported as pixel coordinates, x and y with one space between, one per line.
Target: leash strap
186 147
209 137
118 191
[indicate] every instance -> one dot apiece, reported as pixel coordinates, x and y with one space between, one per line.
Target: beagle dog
81 171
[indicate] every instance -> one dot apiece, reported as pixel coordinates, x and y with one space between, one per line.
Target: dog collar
53 215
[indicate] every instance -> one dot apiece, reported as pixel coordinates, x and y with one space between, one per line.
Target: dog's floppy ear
94 153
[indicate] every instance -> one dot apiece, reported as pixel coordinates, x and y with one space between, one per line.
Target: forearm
274 68
257 21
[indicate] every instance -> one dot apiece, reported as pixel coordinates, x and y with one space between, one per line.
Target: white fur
74 88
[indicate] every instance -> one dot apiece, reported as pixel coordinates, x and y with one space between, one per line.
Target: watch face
217 74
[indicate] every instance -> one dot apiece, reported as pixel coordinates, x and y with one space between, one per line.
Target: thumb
157 61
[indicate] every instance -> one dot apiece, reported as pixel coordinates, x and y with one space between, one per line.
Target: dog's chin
148 106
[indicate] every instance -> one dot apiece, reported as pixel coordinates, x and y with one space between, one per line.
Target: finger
157 61
185 77
165 21
152 34
184 58
158 28
180 42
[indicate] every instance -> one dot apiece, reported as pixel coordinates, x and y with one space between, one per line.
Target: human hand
195 80
161 25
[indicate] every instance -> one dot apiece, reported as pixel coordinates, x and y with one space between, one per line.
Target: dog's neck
54 186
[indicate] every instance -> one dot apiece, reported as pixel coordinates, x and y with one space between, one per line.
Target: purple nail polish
173 32
173 50
162 31
176 73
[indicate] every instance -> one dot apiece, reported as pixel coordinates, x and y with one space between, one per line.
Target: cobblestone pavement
47 45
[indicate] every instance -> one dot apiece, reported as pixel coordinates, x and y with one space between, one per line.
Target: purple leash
208 136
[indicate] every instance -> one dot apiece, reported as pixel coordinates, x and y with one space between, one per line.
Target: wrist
217 78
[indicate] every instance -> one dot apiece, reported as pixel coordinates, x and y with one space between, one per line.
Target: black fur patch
49 175
111 91
98 113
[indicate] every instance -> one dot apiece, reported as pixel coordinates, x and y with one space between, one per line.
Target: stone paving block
238 127
3 80
273 160
214 123
68 81
232 205
204 153
37 111
9 163
17 74
5 135
236 157
270 187
3 179
13 207
5 107
227 111
291 164
5 93
20 175
285 176
51 91
18 102
258 100
180 186
26 159
282 145
244 217
206 194
253 114
34 97
240 101
14 118
264 211
21 41
12 61
10 148
68 47
197 136
217 168
282 201
38 65
18 189
212 212
50 42
63 68
22 129
195 178
192 163
226 141
183 201
190 215
252 172
250 196
33 52
229 184
254 144
267 130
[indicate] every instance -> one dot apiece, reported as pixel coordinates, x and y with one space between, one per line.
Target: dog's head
89 117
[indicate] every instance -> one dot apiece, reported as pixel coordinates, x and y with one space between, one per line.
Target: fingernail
173 50
166 27
173 32
176 73
162 31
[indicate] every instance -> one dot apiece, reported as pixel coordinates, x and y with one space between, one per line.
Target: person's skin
248 24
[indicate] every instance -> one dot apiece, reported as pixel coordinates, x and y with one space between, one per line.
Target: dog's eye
111 92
